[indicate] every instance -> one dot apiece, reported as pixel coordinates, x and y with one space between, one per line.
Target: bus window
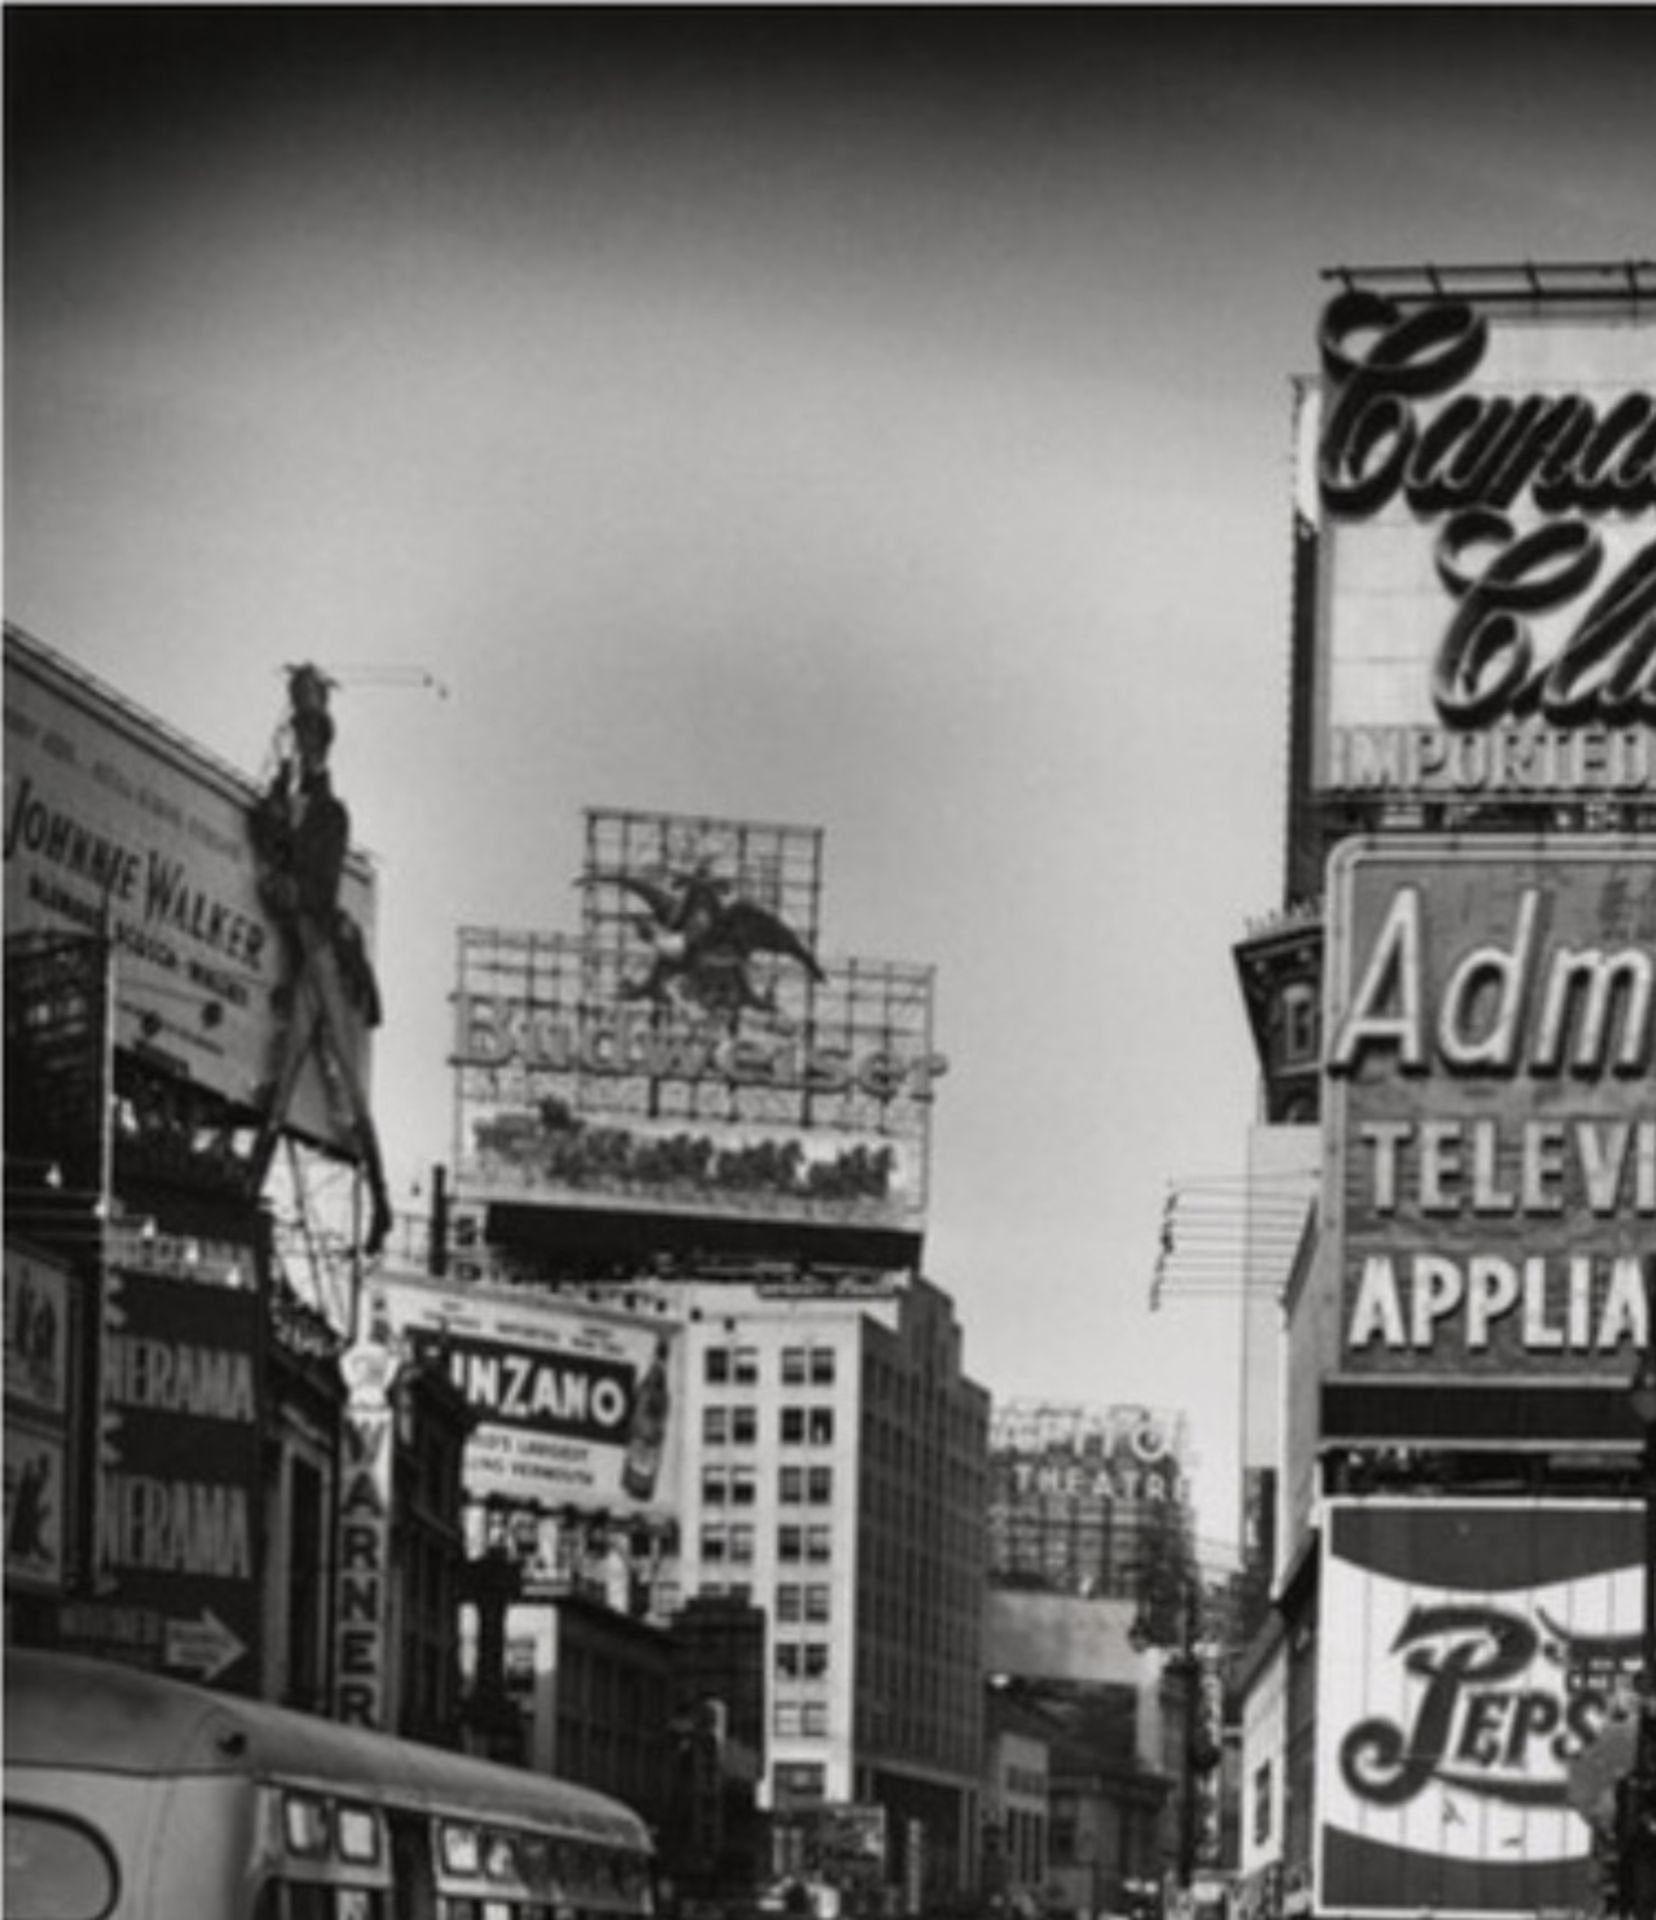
358 1835
56 1869
305 1824
307 1900
414 1885
462 1853
500 1859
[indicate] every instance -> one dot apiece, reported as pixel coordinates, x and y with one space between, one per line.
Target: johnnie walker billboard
688 1052
1471 1657
117 828
1482 476
1490 1041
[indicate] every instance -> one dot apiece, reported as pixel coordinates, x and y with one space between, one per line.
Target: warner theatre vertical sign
363 1601
1491 1182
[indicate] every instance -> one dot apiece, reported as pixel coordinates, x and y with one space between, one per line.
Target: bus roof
62 1710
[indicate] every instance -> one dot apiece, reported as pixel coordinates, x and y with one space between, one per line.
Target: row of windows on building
796 1600
738 1486
795 1427
735 1544
739 1366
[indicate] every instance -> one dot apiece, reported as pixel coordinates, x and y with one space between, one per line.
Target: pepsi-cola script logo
1488 1721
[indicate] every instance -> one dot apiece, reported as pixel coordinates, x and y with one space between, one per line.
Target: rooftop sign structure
1478 462
688 1062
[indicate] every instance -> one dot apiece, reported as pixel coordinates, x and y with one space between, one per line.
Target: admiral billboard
1484 477
116 827
1470 1657
1490 1046
687 1052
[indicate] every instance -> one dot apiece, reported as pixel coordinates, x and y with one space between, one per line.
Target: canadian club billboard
1484 479
1470 1656
1490 1039
688 1054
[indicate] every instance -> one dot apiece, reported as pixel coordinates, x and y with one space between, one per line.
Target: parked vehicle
132 1797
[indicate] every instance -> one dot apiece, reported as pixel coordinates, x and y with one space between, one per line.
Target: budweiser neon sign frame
1471 1655
1489 1034
601 1068
1484 487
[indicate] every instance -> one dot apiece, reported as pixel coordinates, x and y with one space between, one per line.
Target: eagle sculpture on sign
703 937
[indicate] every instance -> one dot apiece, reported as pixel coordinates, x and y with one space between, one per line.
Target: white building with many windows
834 1466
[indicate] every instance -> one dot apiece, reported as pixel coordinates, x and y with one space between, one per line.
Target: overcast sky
867 420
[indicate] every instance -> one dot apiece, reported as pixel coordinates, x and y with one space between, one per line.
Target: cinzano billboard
573 1405
1490 1058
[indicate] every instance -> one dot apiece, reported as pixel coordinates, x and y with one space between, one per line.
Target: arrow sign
204 1647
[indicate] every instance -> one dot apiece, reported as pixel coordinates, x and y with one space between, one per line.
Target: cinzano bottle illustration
647 1429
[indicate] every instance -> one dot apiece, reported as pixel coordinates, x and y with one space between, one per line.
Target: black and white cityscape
830 965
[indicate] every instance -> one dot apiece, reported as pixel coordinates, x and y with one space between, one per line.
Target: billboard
116 827
1490 1040
40 1461
1469 1658
177 1501
576 1405
1484 474
1086 1500
687 1052
365 1524
1119 1452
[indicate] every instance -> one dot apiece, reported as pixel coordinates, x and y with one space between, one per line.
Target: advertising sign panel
1490 1050
1469 1655
37 1494
577 1406
57 1048
175 1557
1086 1500
362 1610
1486 478
688 1051
842 1842
39 1459
115 825
37 1334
